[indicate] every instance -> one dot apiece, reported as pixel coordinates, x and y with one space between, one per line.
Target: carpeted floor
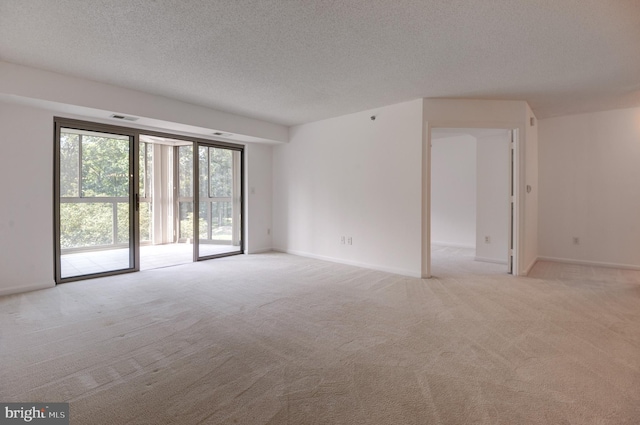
280 339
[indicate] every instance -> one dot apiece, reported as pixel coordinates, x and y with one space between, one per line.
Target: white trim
528 269
25 288
590 263
393 270
490 260
518 129
425 193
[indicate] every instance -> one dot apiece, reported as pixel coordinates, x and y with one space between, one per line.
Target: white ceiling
291 62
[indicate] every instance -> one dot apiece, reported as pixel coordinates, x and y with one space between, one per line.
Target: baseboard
590 263
393 270
452 245
490 260
25 288
530 266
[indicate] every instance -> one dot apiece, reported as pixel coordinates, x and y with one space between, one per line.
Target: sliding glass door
220 201
127 200
94 209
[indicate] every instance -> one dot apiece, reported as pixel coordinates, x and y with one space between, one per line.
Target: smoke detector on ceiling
124 117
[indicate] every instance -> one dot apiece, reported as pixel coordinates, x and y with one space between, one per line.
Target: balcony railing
100 223
93 223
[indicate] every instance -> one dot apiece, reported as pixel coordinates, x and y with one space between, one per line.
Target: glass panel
185 171
69 164
186 220
86 225
220 203
87 236
94 202
185 200
105 166
203 171
221 220
145 221
221 172
145 174
142 169
122 237
148 192
203 222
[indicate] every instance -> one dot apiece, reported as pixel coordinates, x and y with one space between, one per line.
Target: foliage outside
94 188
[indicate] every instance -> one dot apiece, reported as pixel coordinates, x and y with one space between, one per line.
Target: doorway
165 172
471 200
124 200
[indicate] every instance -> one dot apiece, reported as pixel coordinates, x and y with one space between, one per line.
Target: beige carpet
279 339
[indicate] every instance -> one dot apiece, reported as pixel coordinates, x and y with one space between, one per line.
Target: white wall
26 216
493 198
453 191
329 182
589 179
354 177
258 190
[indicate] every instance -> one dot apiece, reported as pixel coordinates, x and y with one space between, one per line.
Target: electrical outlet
268 231
487 239
350 240
576 240
342 240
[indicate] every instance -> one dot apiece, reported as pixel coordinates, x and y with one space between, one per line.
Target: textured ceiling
297 61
